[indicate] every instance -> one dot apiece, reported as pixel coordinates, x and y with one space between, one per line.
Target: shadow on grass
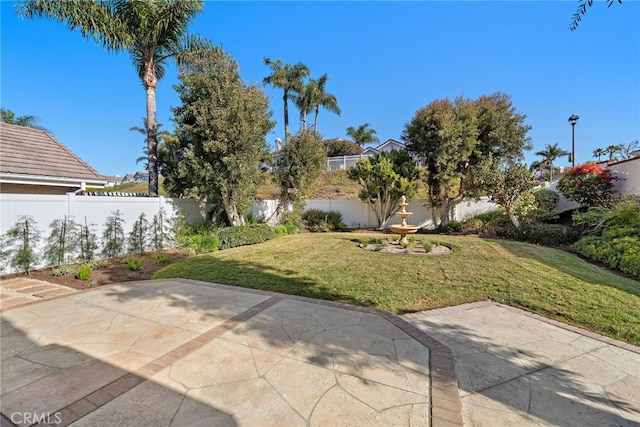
572 265
532 372
254 275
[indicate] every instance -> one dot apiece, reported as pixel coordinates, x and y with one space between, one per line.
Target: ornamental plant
588 184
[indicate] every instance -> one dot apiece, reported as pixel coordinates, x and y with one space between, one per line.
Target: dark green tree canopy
340 147
221 130
453 137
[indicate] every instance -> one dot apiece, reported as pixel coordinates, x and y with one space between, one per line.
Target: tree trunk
514 219
150 84
315 124
286 116
234 216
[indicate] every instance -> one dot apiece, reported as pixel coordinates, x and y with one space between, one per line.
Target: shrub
203 243
160 257
546 202
231 237
317 220
284 229
427 246
588 184
18 244
452 227
134 263
84 272
339 147
62 270
539 233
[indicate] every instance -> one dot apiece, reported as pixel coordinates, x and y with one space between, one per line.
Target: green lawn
330 266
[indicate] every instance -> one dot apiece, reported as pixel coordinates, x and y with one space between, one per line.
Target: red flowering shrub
588 184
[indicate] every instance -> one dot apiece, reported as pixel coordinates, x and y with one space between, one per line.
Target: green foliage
507 183
160 257
84 272
317 220
231 237
113 236
62 244
540 233
161 235
134 263
298 167
221 130
339 147
139 235
588 184
546 202
363 134
283 229
18 245
454 137
427 246
98 264
384 179
451 228
87 242
62 270
203 243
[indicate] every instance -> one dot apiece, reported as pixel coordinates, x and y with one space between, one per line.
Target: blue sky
385 60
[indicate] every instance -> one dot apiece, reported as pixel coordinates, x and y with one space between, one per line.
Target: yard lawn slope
330 266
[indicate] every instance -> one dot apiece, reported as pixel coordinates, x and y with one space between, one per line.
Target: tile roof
30 151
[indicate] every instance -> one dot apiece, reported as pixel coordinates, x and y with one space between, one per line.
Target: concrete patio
182 353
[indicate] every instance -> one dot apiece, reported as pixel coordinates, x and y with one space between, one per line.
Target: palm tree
599 152
152 32
550 153
289 78
324 99
539 166
304 100
145 150
362 135
612 150
9 117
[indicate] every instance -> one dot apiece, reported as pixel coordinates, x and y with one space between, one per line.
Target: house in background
390 145
127 178
112 181
34 162
347 162
141 177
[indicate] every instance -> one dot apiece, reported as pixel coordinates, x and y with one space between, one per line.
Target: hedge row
617 248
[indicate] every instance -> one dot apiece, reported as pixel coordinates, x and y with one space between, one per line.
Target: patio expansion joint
126 382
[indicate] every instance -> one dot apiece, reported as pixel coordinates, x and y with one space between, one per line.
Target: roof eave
52 181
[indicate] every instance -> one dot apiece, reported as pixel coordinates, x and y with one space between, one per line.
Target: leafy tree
588 184
87 242
9 117
113 236
62 243
362 135
18 245
139 235
582 10
340 147
599 152
384 179
454 137
506 183
289 78
221 130
549 154
299 166
152 32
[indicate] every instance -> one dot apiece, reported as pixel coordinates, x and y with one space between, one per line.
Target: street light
573 120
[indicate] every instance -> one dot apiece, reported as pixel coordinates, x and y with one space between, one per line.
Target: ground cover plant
547 281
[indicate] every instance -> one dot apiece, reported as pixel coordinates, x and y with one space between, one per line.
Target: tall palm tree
550 153
324 99
145 150
304 100
612 150
151 31
9 117
362 135
289 78
599 152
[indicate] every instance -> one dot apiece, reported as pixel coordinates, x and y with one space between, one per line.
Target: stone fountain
403 229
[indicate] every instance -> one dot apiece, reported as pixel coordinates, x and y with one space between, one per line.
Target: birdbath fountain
403 229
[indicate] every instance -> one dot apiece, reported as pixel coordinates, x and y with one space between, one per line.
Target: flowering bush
588 184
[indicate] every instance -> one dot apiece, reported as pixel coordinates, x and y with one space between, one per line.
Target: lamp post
573 120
